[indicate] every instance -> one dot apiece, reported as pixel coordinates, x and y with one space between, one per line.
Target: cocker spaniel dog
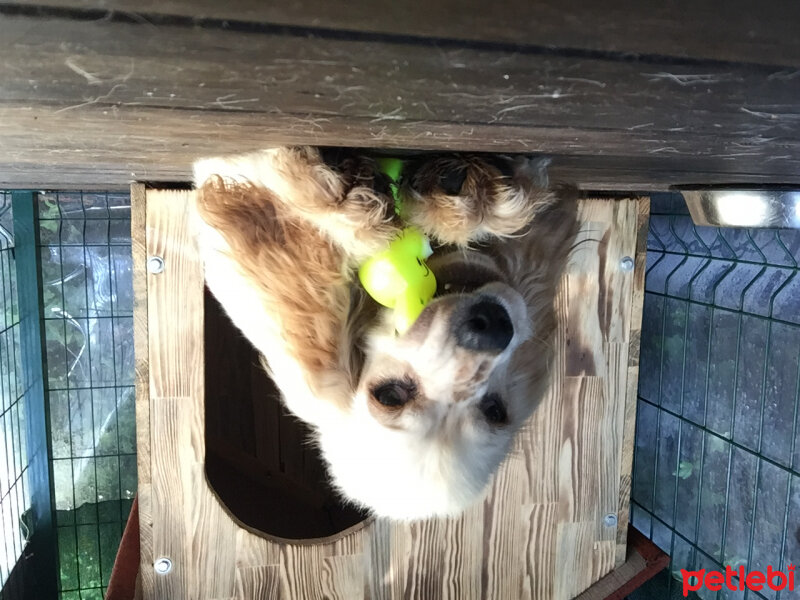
410 425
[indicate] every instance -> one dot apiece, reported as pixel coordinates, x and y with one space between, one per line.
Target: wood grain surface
623 95
540 534
689 30
141 343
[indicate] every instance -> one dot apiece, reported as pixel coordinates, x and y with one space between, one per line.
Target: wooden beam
738 31
127 97
627 425
643 562
141 343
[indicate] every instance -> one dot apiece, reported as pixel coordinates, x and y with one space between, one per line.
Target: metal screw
155 264
162 566
610 520
626 264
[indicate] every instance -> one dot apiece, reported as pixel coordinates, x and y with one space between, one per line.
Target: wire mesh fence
14 493
717 463
88 321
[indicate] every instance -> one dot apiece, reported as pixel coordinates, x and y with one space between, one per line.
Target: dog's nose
484 325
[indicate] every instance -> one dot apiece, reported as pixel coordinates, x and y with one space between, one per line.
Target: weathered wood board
751 31
623 95
542 533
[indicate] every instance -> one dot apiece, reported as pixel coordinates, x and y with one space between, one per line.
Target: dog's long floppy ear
535 260
534 264
297 275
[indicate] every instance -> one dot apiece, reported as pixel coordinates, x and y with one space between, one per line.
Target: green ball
398 277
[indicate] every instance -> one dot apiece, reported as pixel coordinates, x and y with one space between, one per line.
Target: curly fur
492 199
281 233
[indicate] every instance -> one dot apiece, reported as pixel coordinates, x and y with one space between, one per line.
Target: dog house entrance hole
259 460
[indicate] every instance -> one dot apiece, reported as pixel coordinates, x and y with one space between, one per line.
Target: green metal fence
28 548
88 315
14 489
717 463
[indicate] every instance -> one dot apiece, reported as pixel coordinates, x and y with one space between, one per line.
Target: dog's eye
452 181
493 409
394 394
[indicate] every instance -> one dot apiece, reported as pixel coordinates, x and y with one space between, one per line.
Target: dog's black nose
484 325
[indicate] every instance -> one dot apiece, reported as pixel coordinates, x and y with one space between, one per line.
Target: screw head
610 520
626 264
155 264
162 565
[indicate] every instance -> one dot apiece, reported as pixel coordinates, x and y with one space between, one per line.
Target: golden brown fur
460 199
295 267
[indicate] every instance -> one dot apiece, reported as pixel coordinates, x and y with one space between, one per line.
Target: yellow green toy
398 277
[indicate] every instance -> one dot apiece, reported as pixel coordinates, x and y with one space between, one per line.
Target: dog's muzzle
480 320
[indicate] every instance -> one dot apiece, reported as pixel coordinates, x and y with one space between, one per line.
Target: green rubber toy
398 277
393 169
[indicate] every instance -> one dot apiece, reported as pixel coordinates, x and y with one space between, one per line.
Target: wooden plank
591 173
80 92
343 577
258 583
66 64
141 345
539 534
84 149
615 579
140 336
695 30
644 561
176 367
177 361
541 521
628 421
212 538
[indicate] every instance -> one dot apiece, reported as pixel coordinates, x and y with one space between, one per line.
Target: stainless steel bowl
743 207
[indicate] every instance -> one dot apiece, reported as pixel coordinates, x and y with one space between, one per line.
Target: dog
410 425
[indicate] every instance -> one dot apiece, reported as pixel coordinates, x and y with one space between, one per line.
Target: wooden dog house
555 519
